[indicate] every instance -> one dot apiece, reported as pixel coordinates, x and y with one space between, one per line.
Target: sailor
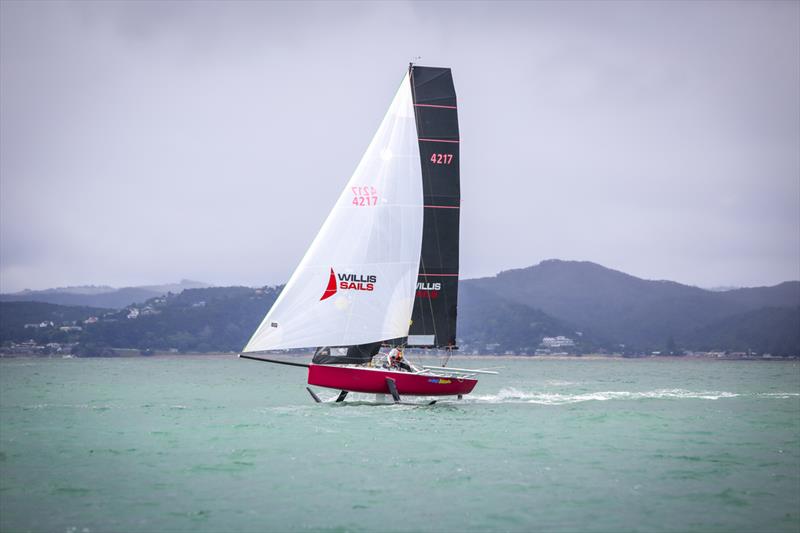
392 357
396 360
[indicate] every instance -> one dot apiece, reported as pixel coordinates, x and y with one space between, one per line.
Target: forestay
357 282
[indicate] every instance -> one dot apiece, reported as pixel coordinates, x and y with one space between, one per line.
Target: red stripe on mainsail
439 141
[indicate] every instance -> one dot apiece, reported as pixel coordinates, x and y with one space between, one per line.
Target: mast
436 114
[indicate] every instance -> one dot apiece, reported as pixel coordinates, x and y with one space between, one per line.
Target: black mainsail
433 322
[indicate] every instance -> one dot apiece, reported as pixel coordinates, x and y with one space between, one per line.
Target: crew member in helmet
396 360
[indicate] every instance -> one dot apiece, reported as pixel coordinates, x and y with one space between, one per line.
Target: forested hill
223 318
15 316
641 314
196 320
580 307
774 330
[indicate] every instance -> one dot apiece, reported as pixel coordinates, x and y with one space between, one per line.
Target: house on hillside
557 342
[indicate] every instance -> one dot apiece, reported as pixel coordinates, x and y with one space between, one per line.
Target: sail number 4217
441 159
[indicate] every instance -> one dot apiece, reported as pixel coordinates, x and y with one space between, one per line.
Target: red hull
373 380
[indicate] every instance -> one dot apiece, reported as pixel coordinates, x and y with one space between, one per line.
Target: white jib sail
357 282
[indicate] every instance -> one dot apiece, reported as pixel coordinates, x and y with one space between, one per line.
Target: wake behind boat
383 270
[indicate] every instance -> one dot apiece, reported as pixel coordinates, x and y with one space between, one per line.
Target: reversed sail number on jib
364 196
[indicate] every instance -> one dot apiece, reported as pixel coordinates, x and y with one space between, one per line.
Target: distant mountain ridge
80 289
572 306
101 295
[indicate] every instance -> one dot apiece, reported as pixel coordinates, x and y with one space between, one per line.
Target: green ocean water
222 444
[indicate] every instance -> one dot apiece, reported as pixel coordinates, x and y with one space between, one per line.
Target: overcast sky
147 142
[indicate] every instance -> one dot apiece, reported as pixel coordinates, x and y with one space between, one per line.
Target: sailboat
382 272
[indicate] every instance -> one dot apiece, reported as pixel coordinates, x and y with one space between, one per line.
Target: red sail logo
349 282
331 290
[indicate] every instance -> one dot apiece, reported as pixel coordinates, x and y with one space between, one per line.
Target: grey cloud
142 142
